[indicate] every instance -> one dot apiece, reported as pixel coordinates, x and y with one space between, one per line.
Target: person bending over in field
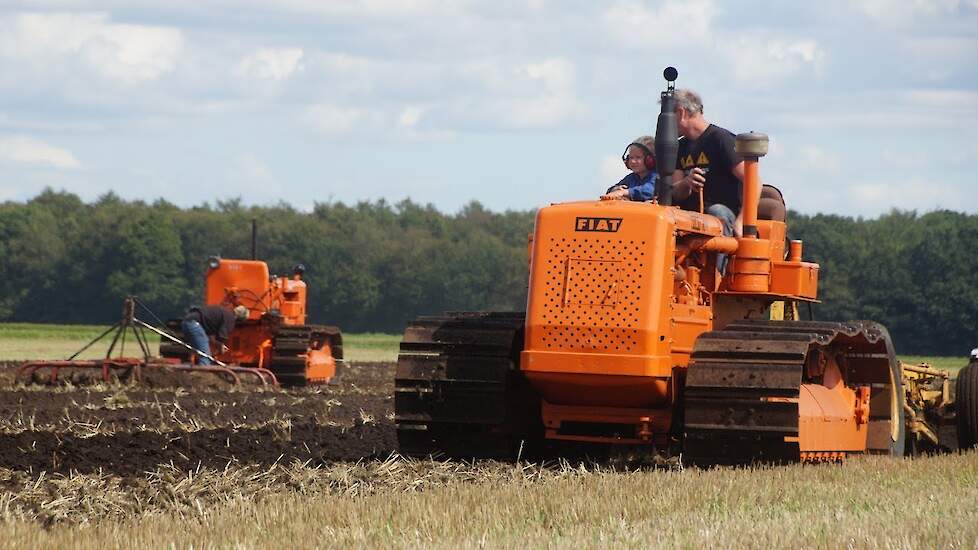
639 185
204 322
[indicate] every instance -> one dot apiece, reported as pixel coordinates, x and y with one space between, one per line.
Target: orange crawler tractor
631 336
275 336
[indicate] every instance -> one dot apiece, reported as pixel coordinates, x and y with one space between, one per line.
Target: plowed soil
192 421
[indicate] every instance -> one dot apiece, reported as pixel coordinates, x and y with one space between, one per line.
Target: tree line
373 266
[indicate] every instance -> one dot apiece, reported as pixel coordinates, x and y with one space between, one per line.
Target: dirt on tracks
128 430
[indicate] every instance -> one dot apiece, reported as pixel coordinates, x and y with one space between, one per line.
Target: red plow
133 368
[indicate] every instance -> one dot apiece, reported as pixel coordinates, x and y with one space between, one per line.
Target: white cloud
413 125
493 93
905 110
405 123
124 53
890 11
818 159
249 175
944 99
27 150
840 91
633 24
556 75
545 111
375 8
343 120
760 63
905 194
411 115
271 63
521 95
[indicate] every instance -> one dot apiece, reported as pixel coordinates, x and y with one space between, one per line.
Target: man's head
240 313
638 156
689 112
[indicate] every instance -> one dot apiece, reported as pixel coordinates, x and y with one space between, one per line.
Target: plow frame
134 365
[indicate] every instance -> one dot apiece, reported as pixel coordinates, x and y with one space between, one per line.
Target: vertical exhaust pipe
666 139
752 146
751 267
254 239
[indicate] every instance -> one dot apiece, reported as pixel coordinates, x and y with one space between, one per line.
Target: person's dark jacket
217 321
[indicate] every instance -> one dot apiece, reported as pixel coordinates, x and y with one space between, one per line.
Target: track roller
458 389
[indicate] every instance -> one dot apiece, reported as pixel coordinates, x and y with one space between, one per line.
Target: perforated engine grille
592 294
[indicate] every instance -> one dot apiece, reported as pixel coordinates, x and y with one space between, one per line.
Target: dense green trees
916 274
373 266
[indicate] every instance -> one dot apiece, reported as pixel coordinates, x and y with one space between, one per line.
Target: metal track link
743 384
288 360
458 390
332 336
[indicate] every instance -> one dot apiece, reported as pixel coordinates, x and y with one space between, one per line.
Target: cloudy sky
870 104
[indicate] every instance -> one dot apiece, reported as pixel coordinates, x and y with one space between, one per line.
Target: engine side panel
599 285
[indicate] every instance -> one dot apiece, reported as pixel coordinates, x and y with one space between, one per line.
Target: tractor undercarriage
756 391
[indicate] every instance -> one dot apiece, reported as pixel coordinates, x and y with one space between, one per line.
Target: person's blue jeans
729 220
198 339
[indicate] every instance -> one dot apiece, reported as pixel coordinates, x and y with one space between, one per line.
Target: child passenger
640 184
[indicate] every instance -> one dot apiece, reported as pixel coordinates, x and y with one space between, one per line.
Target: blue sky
871 105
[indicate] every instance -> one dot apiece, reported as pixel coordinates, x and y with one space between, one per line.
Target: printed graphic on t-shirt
714 146
702 161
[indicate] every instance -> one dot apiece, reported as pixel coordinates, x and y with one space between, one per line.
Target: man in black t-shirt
707 163
203 322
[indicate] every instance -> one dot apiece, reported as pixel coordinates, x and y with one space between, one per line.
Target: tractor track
743 385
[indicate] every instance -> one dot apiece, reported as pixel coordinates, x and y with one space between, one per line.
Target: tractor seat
771 206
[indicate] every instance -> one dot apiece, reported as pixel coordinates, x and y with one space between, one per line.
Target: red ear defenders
649 157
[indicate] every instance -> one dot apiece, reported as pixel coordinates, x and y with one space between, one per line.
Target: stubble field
189 461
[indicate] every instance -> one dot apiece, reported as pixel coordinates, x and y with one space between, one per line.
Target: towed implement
632 336
133 367
275 336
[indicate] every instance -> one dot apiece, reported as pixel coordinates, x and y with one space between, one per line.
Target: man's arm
227 326
685 184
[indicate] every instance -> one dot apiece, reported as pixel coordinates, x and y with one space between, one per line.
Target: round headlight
213 262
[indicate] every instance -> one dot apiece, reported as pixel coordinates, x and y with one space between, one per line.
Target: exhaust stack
254 239
666 139
752 146
751 267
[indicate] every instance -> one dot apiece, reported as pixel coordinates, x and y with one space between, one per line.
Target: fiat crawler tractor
275 336
632 336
